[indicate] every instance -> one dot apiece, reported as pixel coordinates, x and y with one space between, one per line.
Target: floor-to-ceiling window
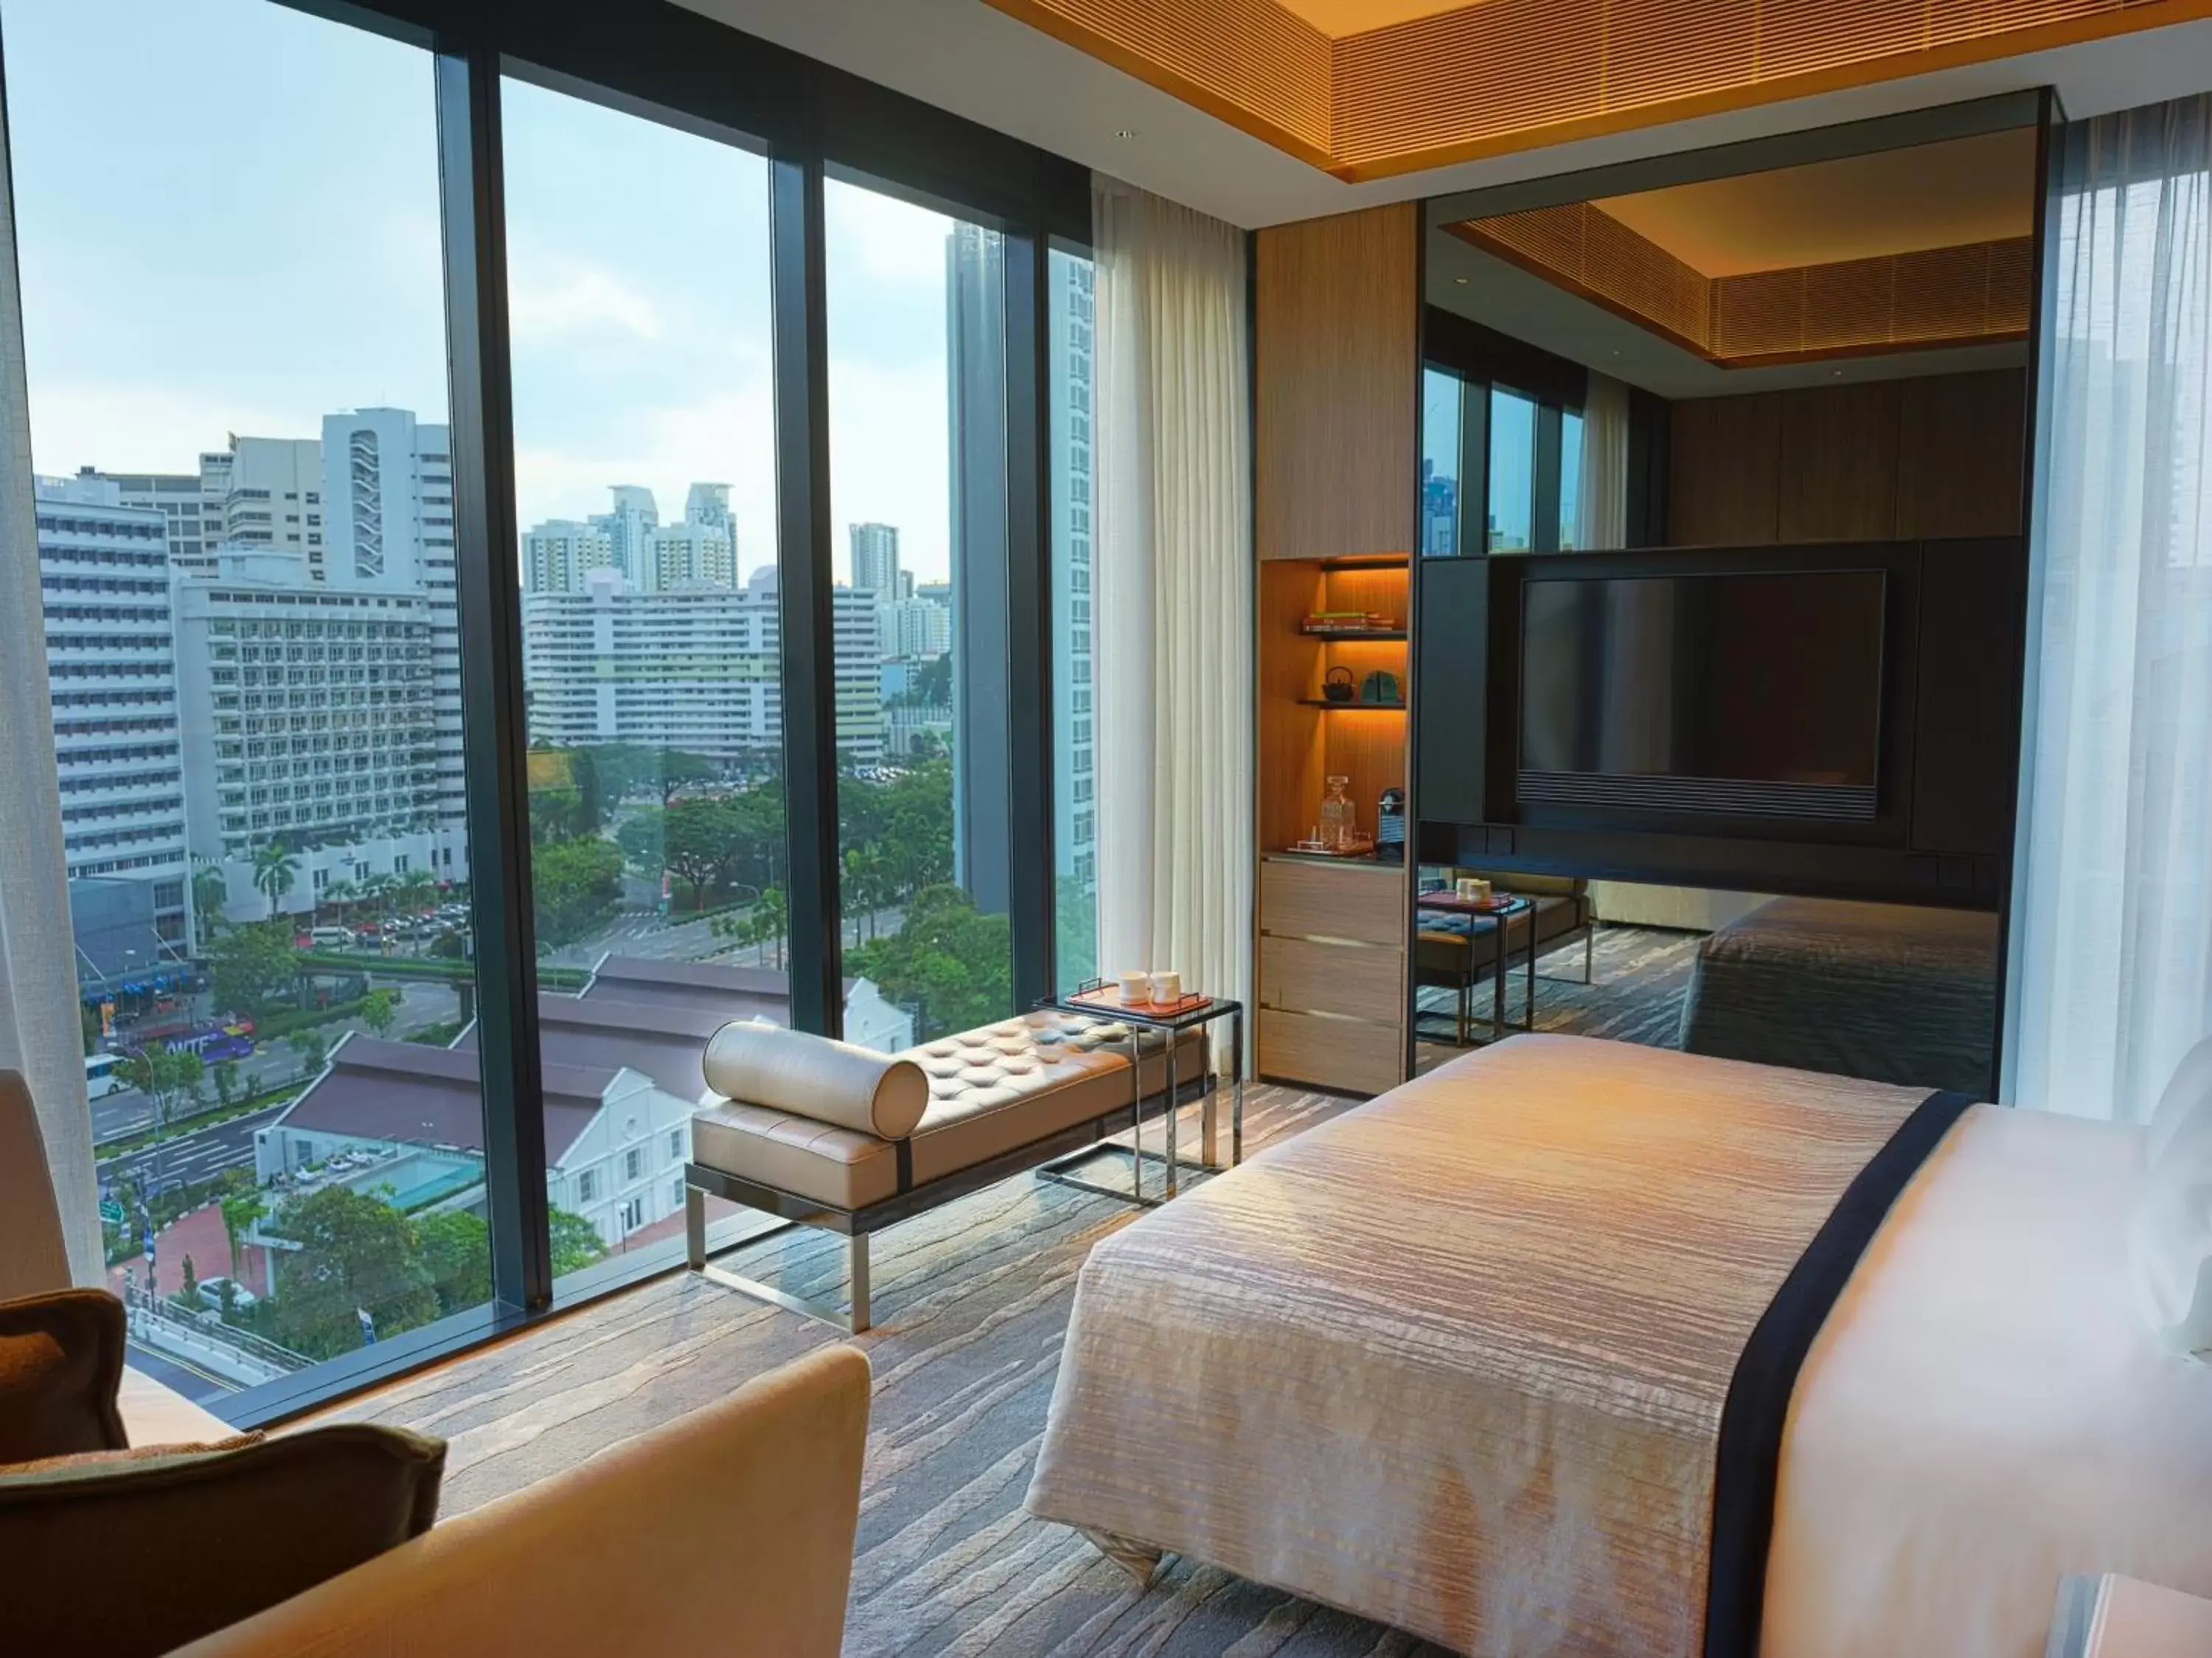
311 616
1511 520
227 220
918 493
638 298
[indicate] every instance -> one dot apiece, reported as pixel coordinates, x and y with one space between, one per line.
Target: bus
212 1042
100 1077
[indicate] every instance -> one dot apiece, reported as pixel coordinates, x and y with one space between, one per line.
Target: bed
1469 1360
1889 992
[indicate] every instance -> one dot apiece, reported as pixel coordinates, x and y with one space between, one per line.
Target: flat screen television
1750 694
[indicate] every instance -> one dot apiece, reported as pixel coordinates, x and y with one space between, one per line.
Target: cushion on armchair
135 1554
61 1362
814 1077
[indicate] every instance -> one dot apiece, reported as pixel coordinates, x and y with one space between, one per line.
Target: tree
673 768
455 1251
226 1081
189 1292
379 1008
952 963
574 884
336 895
210 891
274 871
165 1078
357 1256
311 1050
241 1210
576 1242
254 969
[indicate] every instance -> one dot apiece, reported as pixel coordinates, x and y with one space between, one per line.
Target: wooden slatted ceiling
1497 76
1968 295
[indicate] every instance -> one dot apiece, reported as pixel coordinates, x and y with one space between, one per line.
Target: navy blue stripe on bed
1748 1455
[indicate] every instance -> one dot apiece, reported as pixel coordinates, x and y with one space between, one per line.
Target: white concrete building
389 483
696 668
913 628
628 527
308 713
111 674
259 493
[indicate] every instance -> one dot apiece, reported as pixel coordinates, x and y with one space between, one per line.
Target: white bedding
1985 1410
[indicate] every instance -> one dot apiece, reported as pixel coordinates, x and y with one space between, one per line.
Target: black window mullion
805 584
1544 504
495 730
1029 604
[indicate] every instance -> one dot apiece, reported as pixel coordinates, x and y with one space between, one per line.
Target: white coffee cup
1469 887
1136 987
1167 987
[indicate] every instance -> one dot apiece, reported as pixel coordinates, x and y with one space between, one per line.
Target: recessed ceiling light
1125 132
1461 281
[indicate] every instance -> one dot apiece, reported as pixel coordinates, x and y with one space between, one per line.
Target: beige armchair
729 1531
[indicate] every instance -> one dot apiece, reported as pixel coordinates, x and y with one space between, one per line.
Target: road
422 1003
200 1155
194 1383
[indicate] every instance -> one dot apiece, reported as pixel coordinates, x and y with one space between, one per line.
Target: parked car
332 935
211 1293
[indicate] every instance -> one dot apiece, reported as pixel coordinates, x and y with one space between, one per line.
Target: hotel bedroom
1419 862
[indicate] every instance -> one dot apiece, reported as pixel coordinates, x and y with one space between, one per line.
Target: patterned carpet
973 1303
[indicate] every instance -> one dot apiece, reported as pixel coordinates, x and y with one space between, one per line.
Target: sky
228 222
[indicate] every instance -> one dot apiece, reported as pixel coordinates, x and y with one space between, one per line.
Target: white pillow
2170 1234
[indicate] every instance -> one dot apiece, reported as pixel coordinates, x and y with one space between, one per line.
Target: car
210 1291
332 935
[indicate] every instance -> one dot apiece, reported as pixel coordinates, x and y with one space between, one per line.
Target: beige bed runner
1457 1359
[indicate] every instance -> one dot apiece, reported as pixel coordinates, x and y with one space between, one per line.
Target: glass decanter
1338 825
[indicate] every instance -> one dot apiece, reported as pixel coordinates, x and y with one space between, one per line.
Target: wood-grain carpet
972 1304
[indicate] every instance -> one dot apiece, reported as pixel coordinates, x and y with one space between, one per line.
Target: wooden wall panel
1724 471
1959 448
1338 369
1906 458
1838 463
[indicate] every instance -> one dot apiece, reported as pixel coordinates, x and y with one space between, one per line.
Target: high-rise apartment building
911 628
309 713
690 554
258 492
709 504
388 481
695 668
111 674
1071 314
876 561
633 518
559 553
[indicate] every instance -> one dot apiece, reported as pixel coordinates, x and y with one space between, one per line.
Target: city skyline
630 366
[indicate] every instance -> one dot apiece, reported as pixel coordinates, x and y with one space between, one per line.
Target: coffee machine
1390 827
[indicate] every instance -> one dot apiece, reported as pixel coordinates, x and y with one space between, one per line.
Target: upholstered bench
836 1137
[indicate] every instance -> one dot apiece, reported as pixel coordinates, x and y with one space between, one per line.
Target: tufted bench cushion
991 1091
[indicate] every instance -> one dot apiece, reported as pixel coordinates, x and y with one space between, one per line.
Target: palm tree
275 870
336 894
210 893
376 892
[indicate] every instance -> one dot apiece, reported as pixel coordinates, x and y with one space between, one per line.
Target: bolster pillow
811 1076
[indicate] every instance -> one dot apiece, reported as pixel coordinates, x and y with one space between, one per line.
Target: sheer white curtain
1604 503
1174 598
39 1029
2112 970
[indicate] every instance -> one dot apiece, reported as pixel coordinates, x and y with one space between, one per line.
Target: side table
1099 999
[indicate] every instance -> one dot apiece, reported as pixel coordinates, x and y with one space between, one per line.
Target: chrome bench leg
856 1264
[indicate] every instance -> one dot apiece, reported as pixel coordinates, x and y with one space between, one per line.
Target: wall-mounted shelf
1366 561
1355 635
1323 701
